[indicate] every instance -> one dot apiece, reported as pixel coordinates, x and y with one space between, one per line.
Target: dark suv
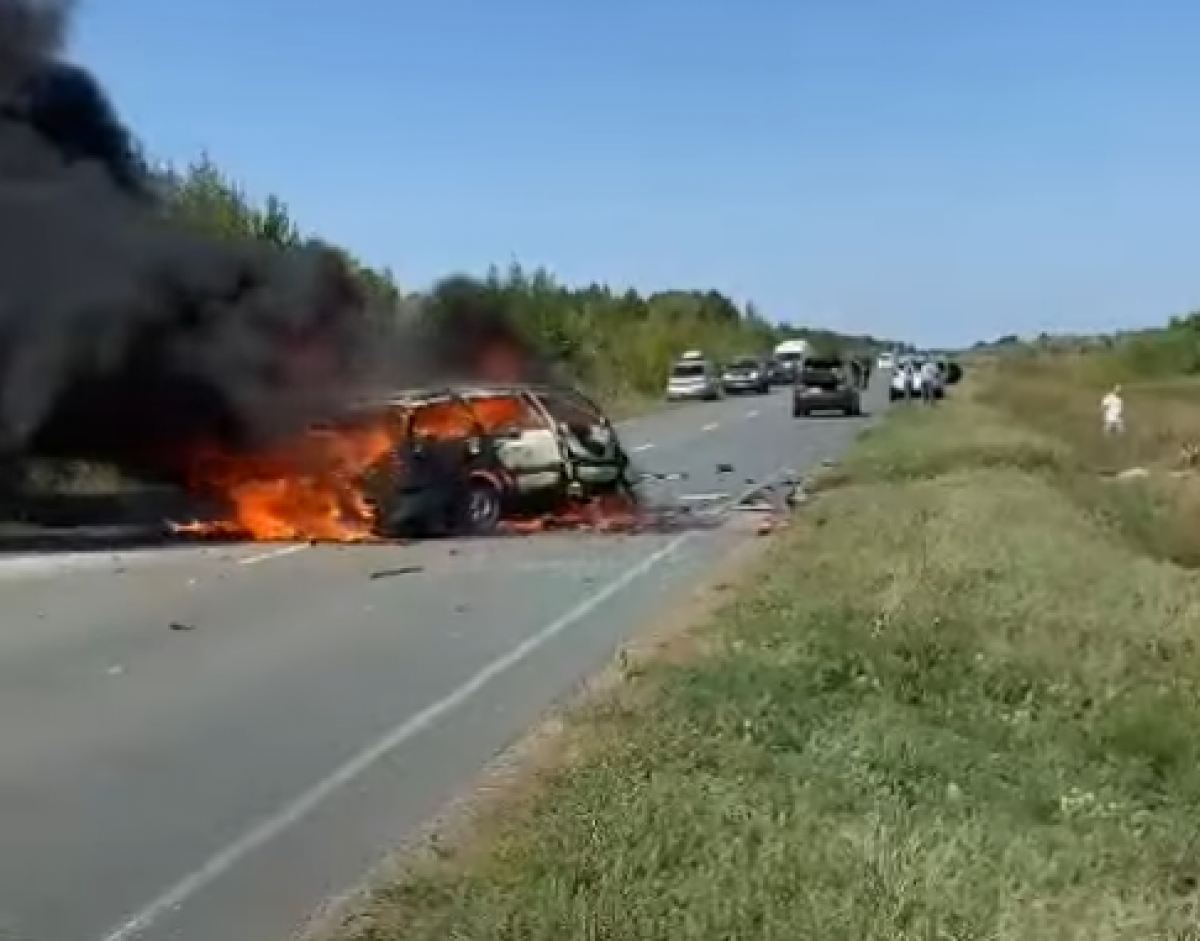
826 384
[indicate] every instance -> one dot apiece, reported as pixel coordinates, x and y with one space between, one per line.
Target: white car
886 362
694 378
908 381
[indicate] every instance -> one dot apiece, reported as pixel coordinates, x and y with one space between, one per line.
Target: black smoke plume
125 336
128 337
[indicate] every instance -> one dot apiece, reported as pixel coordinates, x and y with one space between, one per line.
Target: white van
694 377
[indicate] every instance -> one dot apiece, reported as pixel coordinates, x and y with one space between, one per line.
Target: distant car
747 374
789 364
826 384
780 375
694 379
465 456
908 381
902 385
886 361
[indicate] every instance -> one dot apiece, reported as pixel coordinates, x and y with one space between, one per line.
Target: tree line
620 343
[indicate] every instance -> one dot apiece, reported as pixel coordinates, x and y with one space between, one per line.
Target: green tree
620 343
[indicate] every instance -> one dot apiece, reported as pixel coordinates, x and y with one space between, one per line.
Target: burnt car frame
454 469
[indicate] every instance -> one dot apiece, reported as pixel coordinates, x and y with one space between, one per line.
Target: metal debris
651 475
392 573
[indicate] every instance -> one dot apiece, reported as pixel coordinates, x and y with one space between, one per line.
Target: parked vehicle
747 374
902 384
780 375
694 377
826 384
790 354
886 362
466 456
909 380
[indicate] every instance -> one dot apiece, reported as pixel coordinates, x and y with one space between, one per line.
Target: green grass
950 704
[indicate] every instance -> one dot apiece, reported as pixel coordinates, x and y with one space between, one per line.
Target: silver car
694 379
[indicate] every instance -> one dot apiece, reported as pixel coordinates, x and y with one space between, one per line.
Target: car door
525 442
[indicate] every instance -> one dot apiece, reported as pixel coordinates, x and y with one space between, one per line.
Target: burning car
467 457
438 461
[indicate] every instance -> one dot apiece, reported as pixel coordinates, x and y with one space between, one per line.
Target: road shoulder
512 784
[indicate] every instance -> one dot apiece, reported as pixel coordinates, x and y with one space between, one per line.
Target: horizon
938 176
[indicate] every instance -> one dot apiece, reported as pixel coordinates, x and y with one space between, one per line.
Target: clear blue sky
939 170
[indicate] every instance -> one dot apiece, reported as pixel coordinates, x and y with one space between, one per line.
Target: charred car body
465 457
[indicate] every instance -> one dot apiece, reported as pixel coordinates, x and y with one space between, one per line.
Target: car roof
425 395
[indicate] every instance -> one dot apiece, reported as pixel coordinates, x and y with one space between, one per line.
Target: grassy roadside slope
953 703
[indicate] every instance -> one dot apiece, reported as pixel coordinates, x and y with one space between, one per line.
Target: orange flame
305 490
310 489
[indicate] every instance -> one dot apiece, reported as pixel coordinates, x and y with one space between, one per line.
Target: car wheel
484 507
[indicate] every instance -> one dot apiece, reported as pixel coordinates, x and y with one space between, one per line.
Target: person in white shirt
929 378
1112 409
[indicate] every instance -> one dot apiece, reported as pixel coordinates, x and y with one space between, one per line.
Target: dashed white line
272 554
644 447
753 413
711 426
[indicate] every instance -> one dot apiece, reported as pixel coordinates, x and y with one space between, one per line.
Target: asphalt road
201 744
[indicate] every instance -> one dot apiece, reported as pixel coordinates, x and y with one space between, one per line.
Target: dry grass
953 705
1059 401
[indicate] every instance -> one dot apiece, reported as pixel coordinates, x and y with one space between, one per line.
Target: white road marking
298 809
34 565
711 426
701 497
753 413
41 565
644 447
275 553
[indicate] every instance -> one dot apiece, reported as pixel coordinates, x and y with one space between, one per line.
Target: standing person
1112 409
929 380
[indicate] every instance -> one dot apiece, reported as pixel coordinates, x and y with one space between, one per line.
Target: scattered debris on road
180 626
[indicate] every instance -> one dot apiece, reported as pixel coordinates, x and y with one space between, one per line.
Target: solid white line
713 426
272 554
295 811
644 447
